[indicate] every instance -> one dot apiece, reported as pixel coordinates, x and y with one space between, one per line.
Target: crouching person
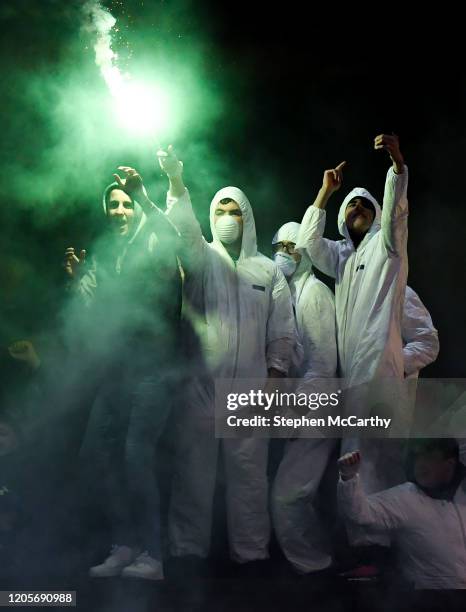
426 517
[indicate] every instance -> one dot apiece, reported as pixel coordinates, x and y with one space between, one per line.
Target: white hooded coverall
299 529
420 338
429 533
370 284
243 316
420 348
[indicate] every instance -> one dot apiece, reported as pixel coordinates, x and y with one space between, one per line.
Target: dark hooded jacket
132 292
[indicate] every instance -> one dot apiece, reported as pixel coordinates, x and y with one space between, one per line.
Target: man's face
359 216
286 246
120 211
431 469
233 210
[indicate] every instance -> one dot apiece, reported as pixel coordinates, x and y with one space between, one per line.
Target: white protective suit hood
249 240
289 231
359 192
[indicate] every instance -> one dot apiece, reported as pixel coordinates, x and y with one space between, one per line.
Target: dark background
301 87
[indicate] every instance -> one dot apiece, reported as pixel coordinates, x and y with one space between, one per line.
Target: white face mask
286 263
228 230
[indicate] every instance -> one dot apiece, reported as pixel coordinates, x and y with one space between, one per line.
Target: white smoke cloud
99 22
142 108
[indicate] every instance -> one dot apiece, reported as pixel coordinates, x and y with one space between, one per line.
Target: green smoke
70 130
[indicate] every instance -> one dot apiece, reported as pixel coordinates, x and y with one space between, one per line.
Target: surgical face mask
228 230
286 263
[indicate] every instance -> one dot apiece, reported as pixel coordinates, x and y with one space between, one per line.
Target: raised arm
382 510
323 252
394 223
192 251
80 279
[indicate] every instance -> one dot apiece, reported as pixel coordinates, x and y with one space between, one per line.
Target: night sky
298 90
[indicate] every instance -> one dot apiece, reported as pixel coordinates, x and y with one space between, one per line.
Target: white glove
349 465
169 163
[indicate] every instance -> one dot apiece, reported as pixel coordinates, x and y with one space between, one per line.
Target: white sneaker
120 557
144 567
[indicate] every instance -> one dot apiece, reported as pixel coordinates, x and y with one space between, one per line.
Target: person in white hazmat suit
420 338
420 349
425 517
420 342
370 268
299 530
297 525
246 328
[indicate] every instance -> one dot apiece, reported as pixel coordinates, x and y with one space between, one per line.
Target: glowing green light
142 109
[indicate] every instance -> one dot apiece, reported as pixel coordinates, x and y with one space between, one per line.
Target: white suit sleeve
318 333
192 244
420 338
394 223
323 252
281 331
162 225
384 510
